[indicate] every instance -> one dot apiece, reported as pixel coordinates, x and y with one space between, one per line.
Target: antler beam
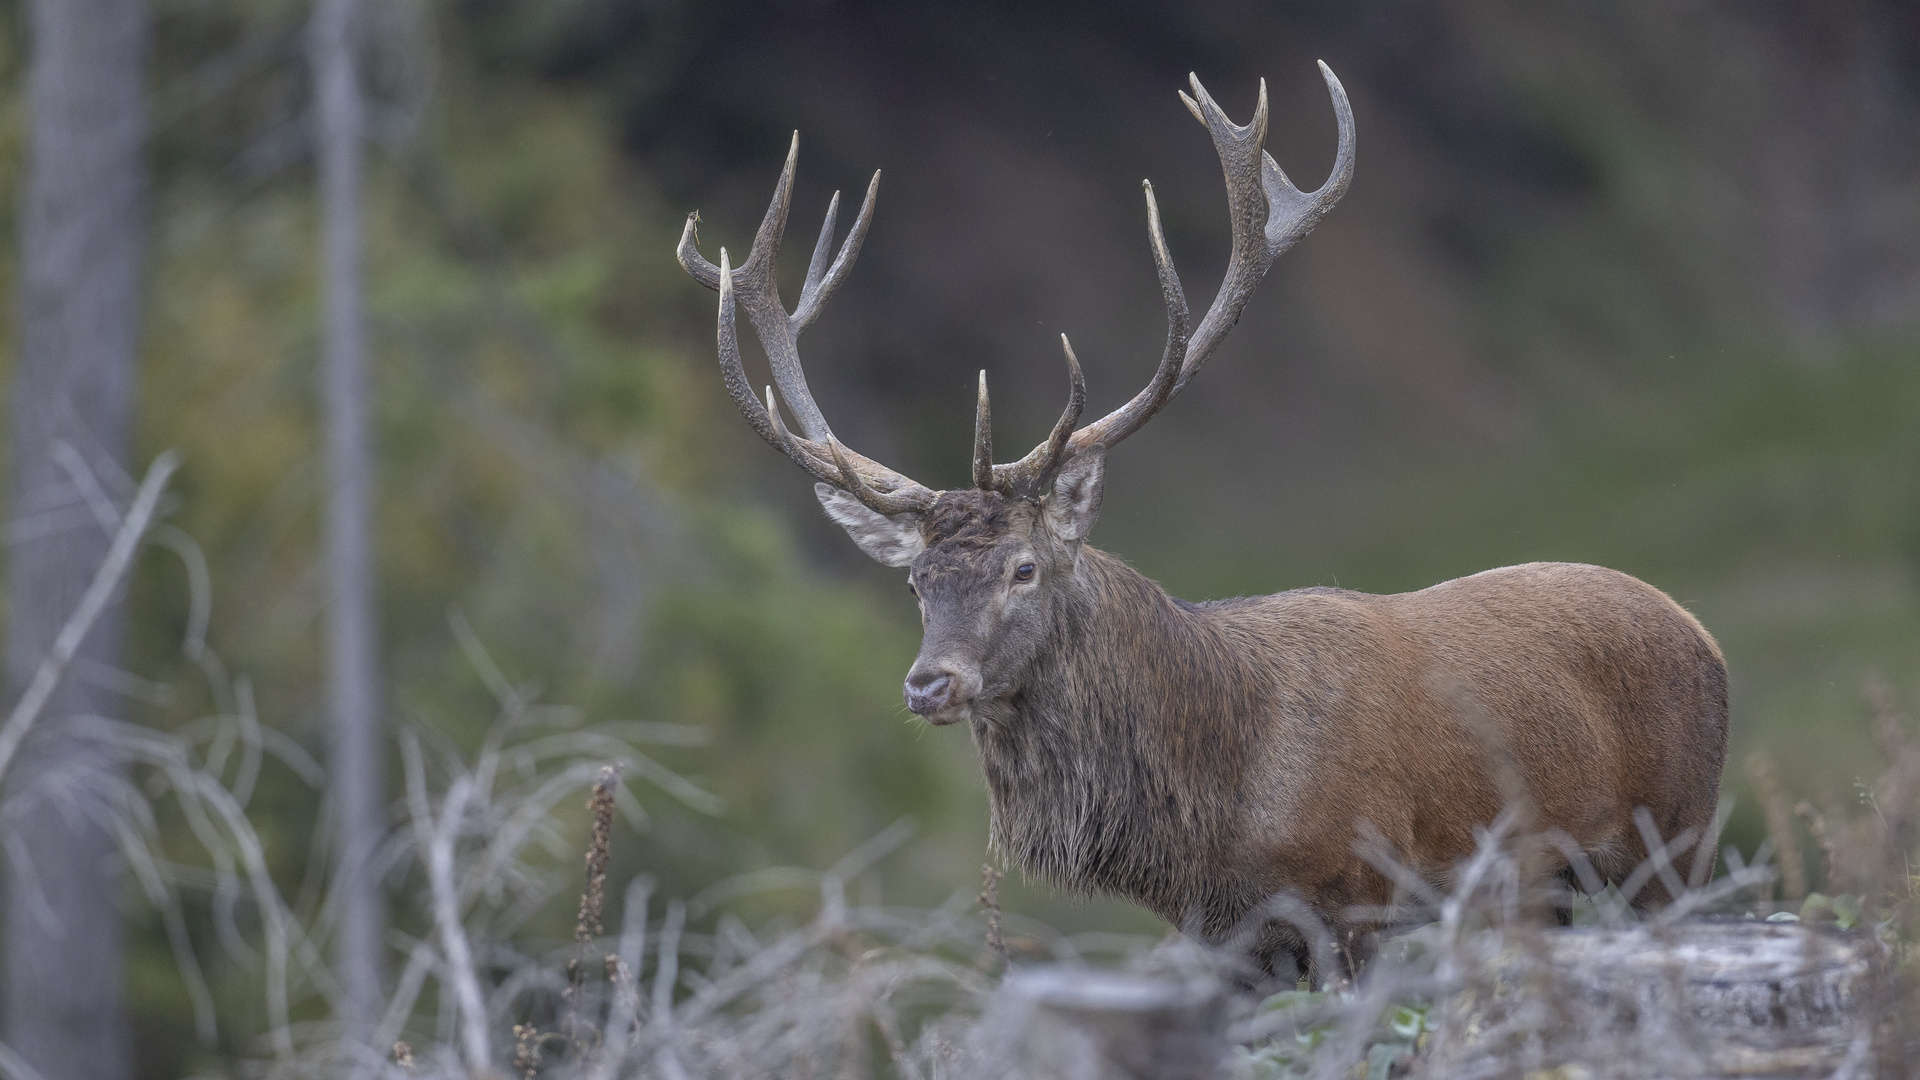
1269 215
815 449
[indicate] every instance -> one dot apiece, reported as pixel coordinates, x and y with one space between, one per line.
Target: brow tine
879 502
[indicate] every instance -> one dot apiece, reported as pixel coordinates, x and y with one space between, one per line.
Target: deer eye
1023 572
911 589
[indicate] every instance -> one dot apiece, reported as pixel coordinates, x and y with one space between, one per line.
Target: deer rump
1203 758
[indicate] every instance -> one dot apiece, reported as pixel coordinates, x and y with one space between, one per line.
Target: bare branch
113 568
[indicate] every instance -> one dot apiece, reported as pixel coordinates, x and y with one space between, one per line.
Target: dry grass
1475 985
1472 980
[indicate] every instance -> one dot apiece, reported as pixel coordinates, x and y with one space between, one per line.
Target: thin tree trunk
82 240
357 764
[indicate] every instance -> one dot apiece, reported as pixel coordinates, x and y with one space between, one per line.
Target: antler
1269 216
815 449
1268 213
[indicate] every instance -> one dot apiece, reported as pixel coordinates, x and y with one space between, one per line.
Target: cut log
1731 975
1704 998
1700 999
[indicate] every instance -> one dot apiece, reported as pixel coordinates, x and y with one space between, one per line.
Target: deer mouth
952 714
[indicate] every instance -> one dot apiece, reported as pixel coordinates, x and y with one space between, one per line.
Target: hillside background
1636 284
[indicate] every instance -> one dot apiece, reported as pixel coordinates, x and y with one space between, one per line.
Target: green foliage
1842 911
548 449
1282 1059
1400 1034
552 456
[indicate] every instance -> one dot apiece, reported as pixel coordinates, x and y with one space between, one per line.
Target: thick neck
1125 742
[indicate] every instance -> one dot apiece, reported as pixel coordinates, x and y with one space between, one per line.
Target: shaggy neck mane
1114 768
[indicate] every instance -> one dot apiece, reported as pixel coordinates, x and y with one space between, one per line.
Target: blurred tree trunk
357 761
82 239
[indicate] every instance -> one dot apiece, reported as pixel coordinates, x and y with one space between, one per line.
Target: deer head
993 565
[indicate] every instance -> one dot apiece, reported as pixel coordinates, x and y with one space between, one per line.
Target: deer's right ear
892 540
1074 502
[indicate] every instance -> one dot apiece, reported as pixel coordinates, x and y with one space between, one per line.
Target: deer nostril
929 691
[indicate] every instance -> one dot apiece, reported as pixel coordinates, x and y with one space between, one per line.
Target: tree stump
1074 1023
1705 998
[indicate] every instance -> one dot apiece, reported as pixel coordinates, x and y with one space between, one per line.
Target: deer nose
930 691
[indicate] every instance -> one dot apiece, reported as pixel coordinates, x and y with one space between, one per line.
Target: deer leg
1353 948
1285 956
1667 860
1563 913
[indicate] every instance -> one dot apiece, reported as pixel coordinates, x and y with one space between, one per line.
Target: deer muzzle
940 694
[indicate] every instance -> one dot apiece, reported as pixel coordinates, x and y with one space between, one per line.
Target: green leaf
1816 907
1287 1000
1380 1059
1407 1021
1846 911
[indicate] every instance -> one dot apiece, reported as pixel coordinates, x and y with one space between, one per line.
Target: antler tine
842 473
1294 212
818 288
983 440
1056 443
822 248
752 286
773 227
1028 475
1128 418
688 252
766 242
785 440
913 500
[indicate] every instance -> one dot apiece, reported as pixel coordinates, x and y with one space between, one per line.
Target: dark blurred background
1634 283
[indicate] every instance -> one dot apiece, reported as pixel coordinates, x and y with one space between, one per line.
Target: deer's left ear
891 540
1074 502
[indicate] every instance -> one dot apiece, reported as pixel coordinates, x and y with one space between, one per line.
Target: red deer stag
1200 758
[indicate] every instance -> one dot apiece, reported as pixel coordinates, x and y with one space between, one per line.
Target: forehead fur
972 519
